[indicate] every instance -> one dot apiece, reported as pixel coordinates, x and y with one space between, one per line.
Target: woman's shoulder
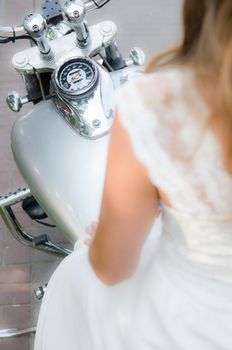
165 106
170 92
161 88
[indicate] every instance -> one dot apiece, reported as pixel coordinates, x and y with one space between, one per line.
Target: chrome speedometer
82 92
76 76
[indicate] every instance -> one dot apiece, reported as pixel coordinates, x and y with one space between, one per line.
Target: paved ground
150 24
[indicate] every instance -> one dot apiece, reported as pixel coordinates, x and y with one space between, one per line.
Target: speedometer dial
76 76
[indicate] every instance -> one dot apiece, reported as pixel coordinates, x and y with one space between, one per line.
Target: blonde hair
207 47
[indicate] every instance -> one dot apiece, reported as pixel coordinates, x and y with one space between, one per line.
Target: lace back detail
167 120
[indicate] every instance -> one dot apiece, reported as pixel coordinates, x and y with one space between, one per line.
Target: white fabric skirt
150 311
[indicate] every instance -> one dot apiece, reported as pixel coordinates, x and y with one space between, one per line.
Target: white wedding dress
181 295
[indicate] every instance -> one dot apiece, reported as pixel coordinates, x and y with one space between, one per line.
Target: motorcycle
60 147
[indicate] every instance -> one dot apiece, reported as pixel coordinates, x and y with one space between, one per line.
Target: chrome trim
64 48
100 3
90 6
14 197
90 112
34 25
75 13
137 57
16 31
40 291
95 4
15 332
67 92
41 242
15 101
11 32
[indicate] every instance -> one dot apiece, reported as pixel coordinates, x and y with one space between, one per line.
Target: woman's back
168 121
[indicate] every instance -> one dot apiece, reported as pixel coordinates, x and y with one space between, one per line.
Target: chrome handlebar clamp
75 13
34 24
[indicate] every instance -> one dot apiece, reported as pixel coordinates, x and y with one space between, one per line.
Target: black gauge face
77 76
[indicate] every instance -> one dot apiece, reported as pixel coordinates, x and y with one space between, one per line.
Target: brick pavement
21 269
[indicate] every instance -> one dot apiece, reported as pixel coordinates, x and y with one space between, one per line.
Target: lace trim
166 119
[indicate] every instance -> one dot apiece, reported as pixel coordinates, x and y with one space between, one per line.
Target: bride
171 147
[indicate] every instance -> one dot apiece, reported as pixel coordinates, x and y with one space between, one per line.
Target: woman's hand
91 230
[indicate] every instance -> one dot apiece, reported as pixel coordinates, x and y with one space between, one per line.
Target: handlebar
17 31
12 32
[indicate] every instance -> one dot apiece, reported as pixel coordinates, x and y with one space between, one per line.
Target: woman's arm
129 206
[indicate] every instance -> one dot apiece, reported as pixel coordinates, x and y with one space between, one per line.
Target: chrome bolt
35 28
76 14
96 123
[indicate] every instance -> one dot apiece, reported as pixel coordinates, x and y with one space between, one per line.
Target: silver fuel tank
64 171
